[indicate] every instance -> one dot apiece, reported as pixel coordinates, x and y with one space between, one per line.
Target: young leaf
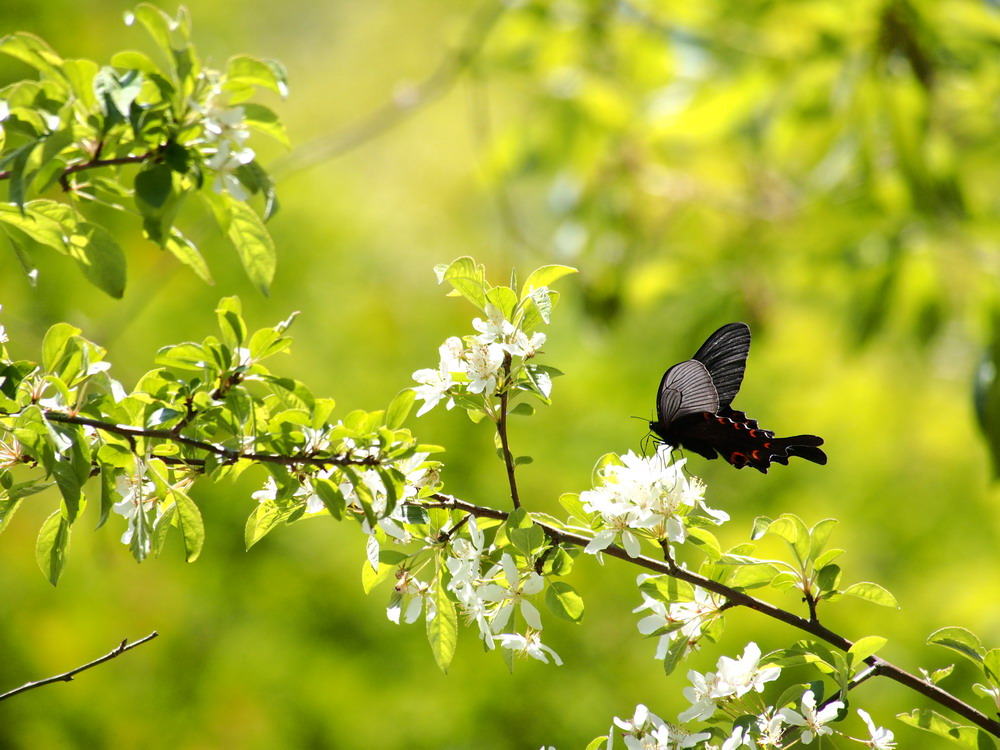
442 631
873 593
544 277
563 601
52 545
192 527
399 408
865 647
253 244
961 640
935 723
99 257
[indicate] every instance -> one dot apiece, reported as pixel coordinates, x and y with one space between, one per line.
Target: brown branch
404 104
227 454
120 649
508 459
733 597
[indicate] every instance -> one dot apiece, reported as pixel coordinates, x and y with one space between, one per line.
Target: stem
227 454
68 676
508 459
878 665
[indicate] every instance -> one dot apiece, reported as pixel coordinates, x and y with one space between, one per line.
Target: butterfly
693 408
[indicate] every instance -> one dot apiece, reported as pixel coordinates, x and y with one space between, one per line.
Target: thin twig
227 454
120 649
405 103
508 459
738 598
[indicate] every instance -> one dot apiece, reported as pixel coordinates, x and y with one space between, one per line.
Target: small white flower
435 384
812 721
529 644
739 676
494 327
739 738
881 739
703 695
770 728
522 346
224 162
484 362
137 502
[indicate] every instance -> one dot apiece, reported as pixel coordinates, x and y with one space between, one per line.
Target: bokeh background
827 171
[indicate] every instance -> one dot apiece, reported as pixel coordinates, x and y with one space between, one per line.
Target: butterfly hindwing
724 355
686 388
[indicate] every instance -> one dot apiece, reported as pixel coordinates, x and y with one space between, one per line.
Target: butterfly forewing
724 355
686 388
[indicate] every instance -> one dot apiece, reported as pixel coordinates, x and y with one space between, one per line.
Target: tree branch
68 676
878 665
227 454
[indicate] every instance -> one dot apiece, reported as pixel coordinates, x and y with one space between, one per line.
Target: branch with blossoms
212 409
136 136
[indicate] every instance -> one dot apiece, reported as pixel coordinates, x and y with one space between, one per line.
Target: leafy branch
120 649
735 598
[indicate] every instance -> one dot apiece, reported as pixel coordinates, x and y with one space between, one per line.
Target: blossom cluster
729 688
224 143
683 620
492 599
641 496
474 365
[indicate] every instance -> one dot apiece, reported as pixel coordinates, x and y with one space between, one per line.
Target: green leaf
52 545
752 576
467 278
544 277
791 528
872 592
186 252
961 640
229 313
504 299
992 664
528 540
399 408
246 70
34 51
935 723
563 601
828 577
442 631
100 257
253 244
865 647
819 535
192 527
55 344
35 225
760 526
158 198
264 120
264 519
8 506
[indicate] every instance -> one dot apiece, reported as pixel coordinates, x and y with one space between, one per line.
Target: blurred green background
827 171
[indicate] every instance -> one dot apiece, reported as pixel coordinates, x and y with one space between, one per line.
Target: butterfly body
693 408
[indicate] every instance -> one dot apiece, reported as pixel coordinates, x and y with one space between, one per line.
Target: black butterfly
693 408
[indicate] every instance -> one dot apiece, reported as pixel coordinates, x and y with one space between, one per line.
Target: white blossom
881 739
813 722
529 644
740 676
494 327
137 502
484 362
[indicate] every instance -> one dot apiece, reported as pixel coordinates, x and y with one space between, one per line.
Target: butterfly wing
686 388
724 355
